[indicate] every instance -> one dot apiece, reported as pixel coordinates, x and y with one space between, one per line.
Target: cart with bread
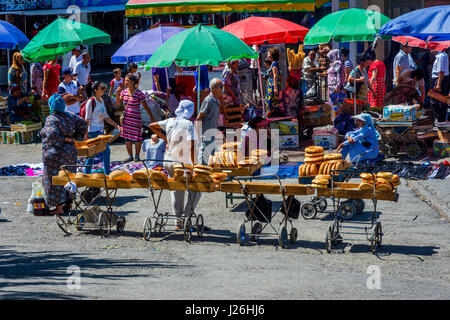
259 213
318 164
87 214
375 187
230 160
198 178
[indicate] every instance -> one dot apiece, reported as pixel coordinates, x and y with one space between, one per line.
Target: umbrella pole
198 90
167 79
260 88
354 96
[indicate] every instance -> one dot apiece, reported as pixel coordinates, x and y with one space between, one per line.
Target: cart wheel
373 245
328 240
187 229
104 224
121 222
413 151
346 210
256 229
79 222
147 229
378 234
359 205
293 235
282 237
241 238
322 205
308 210
62 224
200 225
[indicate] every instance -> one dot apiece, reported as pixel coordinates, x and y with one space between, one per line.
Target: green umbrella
200 45
61 36
346 25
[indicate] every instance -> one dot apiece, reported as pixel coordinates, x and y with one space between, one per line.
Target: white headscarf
185 110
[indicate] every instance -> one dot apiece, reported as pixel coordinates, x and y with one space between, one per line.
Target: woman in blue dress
364 139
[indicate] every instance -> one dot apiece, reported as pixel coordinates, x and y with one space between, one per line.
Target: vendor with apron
180 138
361 143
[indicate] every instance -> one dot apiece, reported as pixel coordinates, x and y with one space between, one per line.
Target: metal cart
371 229
162 220
259 221
86 215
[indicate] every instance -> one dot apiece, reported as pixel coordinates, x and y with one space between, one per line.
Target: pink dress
132 121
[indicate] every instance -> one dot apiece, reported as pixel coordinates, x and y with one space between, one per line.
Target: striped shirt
132 122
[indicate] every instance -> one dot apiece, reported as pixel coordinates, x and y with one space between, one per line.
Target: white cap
359 117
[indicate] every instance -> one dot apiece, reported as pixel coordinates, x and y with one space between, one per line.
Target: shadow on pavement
32 270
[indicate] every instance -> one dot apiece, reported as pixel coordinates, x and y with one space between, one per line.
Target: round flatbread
383 187
203 167
208 172
366 176
314 149
312 155
314 169
323 176
320 186
332 156
365 186
320 181
300 170
322 166
158 175
202 178
63 174
382 180
314 159
385 175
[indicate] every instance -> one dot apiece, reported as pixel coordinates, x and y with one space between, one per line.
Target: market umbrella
141 46
11 37
415 42
346 25
431 23
61 36
258 30
200 45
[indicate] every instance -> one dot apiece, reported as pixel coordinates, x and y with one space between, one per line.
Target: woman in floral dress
58 135
274 81
232 84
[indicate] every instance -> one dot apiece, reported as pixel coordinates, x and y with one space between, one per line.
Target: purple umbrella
141 47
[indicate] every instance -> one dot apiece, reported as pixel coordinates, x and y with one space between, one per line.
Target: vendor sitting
18 107
361 144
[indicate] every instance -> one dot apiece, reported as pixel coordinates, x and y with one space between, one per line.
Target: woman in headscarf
336 72
362 143
17 74
180 138
58 136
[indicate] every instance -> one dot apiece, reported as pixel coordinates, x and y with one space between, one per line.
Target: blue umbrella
431 24
11 37
142 46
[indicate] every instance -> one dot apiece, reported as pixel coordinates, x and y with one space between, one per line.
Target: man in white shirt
440 84
70 90
83 71
76 57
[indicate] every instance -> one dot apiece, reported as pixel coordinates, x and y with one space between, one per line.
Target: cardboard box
285 127
14 137
401 113
289 142
441 149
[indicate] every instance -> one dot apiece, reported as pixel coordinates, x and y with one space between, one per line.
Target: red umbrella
257 30
415 42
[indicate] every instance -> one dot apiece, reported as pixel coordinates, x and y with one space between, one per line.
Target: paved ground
35 255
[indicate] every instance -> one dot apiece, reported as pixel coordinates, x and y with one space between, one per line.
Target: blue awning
92 9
